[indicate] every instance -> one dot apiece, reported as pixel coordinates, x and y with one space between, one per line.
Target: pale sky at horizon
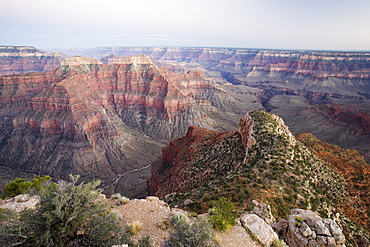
266 24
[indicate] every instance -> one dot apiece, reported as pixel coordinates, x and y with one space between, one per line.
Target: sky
263 24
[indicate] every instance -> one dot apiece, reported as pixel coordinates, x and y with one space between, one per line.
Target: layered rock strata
288 83
99 120
25 59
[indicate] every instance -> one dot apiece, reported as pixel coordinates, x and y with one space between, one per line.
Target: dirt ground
154 216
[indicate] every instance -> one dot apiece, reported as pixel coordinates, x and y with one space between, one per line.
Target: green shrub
69 214
21 186
144 242
190 235
222 214
279 243
299 219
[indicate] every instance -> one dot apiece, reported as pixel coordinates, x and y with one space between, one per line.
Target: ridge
275 168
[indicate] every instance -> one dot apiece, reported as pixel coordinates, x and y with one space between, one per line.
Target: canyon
228 122
146 96
303 87
104 121
24 59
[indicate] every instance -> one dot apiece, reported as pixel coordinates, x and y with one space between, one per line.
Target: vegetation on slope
279 170
354 169
68 214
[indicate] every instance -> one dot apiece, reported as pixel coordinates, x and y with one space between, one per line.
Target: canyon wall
297 85
25 59
103 121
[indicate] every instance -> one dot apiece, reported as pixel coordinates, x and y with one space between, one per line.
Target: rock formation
25 59
103 120
20 202
205 165
291 84
305 228
259 229
263 211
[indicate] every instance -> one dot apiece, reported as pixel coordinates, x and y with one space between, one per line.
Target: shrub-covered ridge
277 169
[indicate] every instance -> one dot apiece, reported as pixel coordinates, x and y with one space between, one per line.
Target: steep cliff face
343 114
255 65
288 83
25 59
262 160
102 121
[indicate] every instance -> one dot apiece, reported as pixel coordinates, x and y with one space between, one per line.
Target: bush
279 243
135 227
222 214
10 227
21 186
144 242
186 235
67 215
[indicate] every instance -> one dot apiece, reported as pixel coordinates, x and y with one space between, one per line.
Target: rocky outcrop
25 59
20 202
263 211
280 170
245 130
305 228
259 229
180 154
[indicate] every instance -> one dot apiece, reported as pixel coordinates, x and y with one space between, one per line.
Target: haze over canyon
186 123
106 118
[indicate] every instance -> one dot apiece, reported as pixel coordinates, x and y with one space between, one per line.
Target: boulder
20 202
259 229
321 228
306 228
264 211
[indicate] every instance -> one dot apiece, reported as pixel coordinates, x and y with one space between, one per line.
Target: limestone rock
321 228
26 59
263 211
246 130
79 60
259 229
336 232
188 202
20 202
313 243
305 228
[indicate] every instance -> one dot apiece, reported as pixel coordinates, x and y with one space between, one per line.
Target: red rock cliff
96 119
24 59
